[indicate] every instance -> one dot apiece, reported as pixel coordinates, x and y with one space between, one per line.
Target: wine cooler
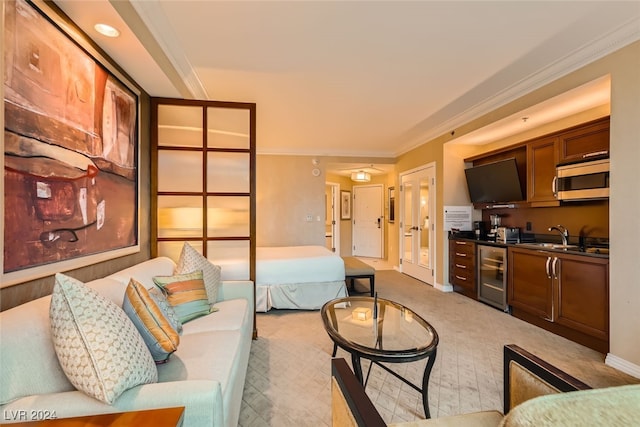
492 276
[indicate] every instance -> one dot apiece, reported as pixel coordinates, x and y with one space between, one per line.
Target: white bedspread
297 264
297 277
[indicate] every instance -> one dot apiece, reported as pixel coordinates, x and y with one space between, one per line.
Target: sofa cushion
612 406
45 374
203 356
231 316
98 347
159 335
191 260
186 293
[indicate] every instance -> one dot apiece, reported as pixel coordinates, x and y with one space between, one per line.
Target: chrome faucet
564 233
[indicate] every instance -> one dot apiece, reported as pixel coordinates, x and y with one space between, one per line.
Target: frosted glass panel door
203 183
204 166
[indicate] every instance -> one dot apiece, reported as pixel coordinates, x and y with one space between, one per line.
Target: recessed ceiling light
106 30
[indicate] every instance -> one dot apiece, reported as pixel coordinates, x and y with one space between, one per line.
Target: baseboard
622 365
443 288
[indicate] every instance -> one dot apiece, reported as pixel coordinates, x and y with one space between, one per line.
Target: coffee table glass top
398 331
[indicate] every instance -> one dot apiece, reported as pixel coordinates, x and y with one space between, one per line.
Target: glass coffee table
381 331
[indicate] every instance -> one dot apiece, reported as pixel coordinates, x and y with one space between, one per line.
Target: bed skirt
298 296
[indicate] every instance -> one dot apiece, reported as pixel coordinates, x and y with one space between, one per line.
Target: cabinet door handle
461 266
547 270
460 243
596 153
553 267
459 254
461 278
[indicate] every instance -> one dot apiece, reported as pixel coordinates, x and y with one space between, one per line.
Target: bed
297 277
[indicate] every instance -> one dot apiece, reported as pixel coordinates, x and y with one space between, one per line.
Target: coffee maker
478 229
495 223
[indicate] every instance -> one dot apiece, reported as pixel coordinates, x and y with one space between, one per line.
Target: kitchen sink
550 245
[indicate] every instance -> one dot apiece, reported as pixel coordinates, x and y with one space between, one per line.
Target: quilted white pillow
191 260
100 350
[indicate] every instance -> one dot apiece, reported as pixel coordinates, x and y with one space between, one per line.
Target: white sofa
206 374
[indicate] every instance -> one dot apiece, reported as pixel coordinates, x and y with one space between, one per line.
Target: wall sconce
361 313
360 176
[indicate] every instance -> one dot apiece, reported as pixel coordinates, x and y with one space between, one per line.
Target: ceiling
359 78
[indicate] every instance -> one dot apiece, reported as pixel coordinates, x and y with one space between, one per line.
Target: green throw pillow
186 294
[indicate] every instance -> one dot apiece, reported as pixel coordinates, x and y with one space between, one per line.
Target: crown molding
624 35
156 22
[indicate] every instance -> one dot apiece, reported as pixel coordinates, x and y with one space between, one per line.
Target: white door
368 205
417 225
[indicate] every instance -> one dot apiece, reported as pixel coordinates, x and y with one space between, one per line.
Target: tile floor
288 379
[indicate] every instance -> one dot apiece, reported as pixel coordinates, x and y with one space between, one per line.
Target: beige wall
286 194
624 206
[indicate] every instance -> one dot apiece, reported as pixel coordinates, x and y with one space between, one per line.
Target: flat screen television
494 182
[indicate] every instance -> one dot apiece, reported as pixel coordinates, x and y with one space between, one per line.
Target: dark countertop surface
598 248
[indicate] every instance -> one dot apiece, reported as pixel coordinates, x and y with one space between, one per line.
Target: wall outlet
309 218
528 226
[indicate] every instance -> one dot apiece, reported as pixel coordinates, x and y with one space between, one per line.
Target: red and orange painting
70 141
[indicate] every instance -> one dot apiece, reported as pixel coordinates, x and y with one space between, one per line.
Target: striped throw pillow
155 328
186 293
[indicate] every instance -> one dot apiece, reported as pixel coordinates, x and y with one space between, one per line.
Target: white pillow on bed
191 260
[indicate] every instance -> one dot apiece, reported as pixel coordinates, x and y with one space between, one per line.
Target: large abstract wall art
70 151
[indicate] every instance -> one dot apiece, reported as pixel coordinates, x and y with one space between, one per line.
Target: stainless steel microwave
583 181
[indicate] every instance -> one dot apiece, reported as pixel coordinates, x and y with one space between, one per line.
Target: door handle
379 221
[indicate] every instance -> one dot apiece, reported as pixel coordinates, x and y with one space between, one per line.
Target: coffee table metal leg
357 368
425 383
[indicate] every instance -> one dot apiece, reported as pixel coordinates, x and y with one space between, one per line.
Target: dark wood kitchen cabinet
542 158
564 293
462 267
588 140
529 287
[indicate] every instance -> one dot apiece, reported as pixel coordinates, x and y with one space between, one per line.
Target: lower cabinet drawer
461 273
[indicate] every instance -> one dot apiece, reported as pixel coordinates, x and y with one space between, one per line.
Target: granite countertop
592 247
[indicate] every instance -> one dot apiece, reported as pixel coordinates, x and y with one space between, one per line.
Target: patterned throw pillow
186 294
191 260
99 349
154 327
